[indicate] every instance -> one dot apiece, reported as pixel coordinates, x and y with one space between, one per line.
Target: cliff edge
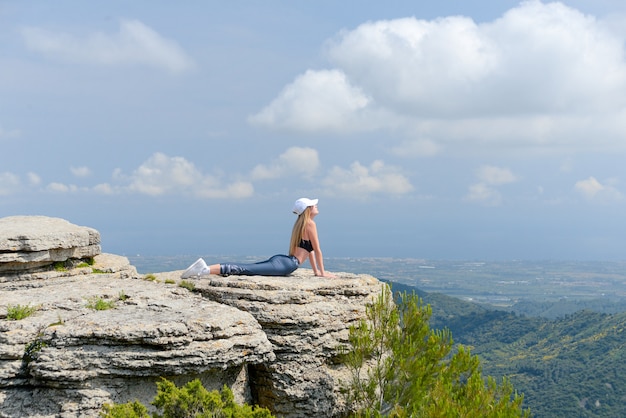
103 333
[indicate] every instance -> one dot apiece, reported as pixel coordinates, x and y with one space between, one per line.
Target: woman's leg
278 265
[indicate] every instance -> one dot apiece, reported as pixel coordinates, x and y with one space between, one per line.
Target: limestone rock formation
28 242
307 320
274 340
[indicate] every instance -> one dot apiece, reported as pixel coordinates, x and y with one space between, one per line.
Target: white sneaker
196 269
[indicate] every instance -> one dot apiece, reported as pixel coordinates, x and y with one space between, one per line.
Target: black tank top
306 244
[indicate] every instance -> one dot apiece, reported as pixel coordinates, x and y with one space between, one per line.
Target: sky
432 129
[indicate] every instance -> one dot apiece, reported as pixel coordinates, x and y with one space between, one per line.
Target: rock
307 320
31 242
275 341
76 358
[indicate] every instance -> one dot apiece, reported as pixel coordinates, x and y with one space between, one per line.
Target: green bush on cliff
190 401
400 367
99 304
125 410
17 312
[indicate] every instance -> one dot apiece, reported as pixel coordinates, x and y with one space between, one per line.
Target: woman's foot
196 269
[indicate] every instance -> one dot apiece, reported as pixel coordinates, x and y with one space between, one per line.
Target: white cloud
485 191
403 62
592 189
134 44
316 101
9 183
495 175
536 58
542 76
33 179
362 181
159 175
104 188
485 194
162 174
80 171
57 187
294 161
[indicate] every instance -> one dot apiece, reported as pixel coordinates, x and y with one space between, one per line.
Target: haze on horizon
439 130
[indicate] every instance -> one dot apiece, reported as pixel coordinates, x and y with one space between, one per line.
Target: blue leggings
278 265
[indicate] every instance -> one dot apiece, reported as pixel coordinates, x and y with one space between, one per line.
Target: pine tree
400 367
189 401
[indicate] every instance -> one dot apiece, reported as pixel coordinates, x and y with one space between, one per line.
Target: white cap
303 203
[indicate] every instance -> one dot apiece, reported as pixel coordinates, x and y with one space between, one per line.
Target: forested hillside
574 366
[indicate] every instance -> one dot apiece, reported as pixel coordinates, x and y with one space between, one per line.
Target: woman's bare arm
317 251
313 263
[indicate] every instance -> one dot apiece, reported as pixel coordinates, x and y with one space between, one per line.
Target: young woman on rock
304 244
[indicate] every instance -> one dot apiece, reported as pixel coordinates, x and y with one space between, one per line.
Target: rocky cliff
102 333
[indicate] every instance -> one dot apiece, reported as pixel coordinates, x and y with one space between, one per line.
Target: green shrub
86 262
100 304
402 368
32 348
126 410
150 277
187 285
17 312
60 321
190 401
59 266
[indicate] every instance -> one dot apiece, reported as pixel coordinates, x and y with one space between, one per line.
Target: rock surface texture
30 242
274 340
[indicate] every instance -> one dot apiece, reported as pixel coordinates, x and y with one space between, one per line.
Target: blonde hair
298 230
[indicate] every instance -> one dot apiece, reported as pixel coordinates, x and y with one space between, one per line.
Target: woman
304 244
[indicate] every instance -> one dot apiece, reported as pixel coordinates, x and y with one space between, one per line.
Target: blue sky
450 130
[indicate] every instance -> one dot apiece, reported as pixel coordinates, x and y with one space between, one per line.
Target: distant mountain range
573 366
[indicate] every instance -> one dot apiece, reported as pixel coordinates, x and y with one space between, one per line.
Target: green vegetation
88 262
122 296
189 401
17 312
187 285
32 348
150 277
99 304
133 409
571 366
59 266
170 281
98 271
60 321
400 367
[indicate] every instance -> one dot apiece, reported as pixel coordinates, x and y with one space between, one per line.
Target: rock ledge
275 341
